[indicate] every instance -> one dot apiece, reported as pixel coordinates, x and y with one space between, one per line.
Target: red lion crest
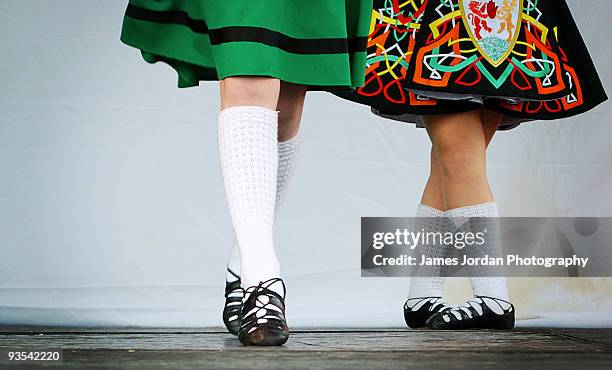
478 15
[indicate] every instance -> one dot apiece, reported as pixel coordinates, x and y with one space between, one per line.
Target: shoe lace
261 307
475 307
437 303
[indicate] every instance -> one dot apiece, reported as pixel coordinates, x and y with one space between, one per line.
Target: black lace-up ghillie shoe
477 313
263 320
233 304
418 310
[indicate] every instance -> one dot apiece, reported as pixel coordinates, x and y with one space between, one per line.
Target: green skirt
315 42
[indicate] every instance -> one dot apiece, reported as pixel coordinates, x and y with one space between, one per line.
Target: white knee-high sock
487 213
430 220
287 158
248 151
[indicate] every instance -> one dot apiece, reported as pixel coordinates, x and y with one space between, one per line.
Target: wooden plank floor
136 348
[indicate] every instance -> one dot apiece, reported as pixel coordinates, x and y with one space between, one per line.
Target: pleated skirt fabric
316 42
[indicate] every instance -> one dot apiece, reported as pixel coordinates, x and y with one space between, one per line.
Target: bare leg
290 105
433 194
460 147
250 91
490 123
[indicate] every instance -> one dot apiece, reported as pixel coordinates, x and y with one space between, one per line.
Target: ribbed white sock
248 151
430 220
481 285
287 158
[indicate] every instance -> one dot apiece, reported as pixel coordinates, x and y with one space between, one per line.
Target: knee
460 160
257 91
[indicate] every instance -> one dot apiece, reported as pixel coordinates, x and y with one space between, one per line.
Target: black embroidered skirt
523 58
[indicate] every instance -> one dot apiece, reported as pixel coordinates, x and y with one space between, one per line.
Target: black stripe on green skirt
252 34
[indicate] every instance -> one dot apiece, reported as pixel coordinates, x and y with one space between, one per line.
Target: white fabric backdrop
112 210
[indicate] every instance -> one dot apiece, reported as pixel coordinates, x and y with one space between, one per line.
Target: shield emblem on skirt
493 26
